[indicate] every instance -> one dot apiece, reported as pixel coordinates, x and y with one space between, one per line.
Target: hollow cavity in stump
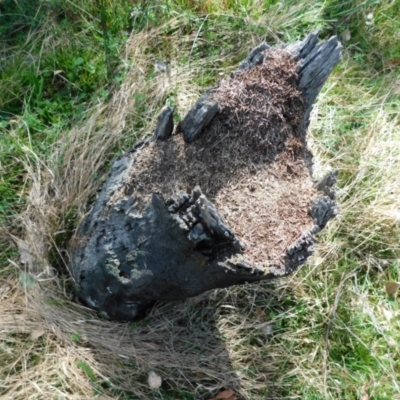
252 163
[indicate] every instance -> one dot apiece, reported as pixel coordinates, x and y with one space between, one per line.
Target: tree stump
225 198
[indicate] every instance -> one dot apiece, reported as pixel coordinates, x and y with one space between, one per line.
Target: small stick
197 35
330 323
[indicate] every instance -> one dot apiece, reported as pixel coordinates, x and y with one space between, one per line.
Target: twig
330 323
197 35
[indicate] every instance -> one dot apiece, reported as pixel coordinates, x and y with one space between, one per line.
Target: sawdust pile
252 161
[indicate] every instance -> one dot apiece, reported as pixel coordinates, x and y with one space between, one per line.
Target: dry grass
259 340
184 343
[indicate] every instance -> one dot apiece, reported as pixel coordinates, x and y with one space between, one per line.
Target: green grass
333 335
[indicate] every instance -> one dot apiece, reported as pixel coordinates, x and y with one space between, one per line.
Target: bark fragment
165 124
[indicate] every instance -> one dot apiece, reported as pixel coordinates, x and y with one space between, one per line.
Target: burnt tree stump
225 198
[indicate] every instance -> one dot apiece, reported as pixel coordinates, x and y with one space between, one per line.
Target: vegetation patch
78 87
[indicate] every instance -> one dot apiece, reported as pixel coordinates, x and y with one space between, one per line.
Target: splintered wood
252 161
